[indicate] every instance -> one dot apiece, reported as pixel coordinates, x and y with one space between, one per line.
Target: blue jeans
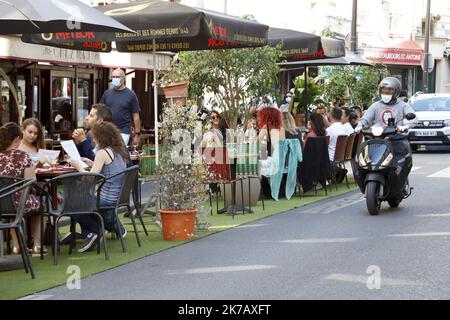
110 218
90 224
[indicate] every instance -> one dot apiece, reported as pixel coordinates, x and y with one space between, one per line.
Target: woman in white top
217 135
32 137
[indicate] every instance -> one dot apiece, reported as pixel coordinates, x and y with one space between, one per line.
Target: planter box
255 189
176 90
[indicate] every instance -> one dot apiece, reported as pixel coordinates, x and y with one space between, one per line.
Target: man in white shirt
345 120
334 130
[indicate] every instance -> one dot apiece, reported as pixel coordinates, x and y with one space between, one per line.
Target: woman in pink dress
17 163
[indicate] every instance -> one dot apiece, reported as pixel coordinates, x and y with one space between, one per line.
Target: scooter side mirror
410 116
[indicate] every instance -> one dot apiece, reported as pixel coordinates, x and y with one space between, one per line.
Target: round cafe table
47 174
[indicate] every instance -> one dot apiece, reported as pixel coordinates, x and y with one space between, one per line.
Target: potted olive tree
182 174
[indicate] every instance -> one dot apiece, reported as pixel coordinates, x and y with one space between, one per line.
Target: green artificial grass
17 283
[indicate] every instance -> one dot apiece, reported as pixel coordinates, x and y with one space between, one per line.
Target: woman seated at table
270 131
32 137
216 137
17 163
291 130
270 127
110 159
316 126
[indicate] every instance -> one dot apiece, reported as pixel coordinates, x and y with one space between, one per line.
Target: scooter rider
389 111
388 107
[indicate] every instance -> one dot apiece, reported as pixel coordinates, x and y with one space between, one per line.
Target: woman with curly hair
111 158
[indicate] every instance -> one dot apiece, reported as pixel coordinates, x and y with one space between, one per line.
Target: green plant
182 172
312 96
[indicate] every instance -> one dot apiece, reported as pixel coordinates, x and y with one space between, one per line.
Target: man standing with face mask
124 106
389 107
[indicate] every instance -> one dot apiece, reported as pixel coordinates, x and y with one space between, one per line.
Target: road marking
363 279
415 168
37 297
332 206
429 234
434 215
319 241
252 226
441 174
222 269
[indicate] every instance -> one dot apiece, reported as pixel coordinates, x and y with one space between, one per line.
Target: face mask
386 98
116 82
288 100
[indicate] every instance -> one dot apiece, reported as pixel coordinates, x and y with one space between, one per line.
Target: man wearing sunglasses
124 106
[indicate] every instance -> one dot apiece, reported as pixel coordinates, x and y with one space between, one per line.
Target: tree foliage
236 78
360 82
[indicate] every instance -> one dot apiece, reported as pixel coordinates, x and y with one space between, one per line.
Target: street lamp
354 37
427 48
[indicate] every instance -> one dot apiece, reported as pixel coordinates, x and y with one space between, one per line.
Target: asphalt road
330 250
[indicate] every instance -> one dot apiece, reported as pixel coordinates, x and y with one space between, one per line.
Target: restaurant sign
394 56
13 48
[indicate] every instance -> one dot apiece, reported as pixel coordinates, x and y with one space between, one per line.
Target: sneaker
68 236
124 234
88 242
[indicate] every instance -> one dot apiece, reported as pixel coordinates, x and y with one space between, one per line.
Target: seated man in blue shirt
85 144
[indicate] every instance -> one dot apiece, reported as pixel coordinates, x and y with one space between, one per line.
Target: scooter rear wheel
373 197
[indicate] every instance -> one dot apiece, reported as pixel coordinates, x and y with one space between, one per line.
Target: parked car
433 114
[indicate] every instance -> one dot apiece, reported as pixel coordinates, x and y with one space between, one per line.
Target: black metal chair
130 177
80 198
315 168
8 193
7 204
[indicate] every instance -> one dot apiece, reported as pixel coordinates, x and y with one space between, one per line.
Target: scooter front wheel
373 197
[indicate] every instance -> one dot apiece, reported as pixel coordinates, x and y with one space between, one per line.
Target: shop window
62 103
4 111
83 98
36 97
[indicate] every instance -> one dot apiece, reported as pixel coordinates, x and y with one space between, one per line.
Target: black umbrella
350 58
300 46
174 27
44 16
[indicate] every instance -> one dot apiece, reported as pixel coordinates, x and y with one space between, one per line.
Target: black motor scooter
382 165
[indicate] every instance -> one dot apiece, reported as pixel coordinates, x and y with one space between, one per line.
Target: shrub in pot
182 174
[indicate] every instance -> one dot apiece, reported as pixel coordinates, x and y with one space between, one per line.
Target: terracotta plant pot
176 90
178 225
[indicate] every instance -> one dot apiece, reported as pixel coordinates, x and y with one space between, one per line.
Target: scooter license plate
426 133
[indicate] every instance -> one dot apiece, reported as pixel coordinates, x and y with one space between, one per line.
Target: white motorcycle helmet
391 83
